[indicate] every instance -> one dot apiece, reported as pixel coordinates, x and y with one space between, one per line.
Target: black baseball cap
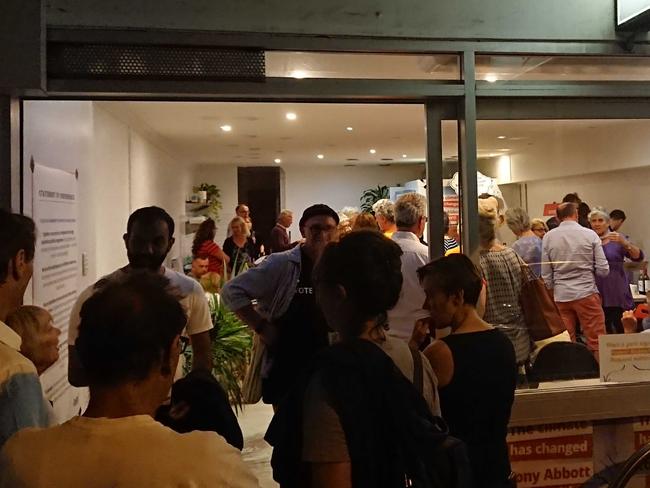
317 210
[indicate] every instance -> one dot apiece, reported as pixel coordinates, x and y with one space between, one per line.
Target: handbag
252 386
541 314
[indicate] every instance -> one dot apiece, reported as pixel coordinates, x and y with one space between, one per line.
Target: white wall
60 135
553 153
305 185
158 179
339 186
121 168
110 147
624 189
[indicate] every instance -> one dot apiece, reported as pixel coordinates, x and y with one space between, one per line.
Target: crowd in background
384 367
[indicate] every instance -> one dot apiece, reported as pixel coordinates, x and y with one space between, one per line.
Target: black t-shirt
239 256
477 402
302 331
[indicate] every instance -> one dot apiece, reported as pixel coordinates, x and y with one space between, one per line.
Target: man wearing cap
286 316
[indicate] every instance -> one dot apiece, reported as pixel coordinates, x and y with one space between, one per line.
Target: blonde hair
487 223
238 220
538 222
25 322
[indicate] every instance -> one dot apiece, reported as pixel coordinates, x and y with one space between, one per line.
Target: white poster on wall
56 274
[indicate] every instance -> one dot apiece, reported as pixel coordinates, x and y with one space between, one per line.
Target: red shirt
214 253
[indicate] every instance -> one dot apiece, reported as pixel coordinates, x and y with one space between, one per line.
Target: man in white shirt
148 240
410 217
21 395
572 256
129 343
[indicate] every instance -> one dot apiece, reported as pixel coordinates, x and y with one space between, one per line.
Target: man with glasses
286 317
410 217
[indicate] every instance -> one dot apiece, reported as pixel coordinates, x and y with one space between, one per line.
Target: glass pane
562 68
603 166
300 65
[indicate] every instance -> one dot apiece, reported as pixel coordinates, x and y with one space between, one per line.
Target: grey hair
409 209
599 212
518 220
385 208
285 213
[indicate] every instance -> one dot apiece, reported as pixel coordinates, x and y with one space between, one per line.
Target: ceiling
261 133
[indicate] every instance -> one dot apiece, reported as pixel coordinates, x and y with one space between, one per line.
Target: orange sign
549 209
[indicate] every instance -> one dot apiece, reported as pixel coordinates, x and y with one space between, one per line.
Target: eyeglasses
185 342
317 229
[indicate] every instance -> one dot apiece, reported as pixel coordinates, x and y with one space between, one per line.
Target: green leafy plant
231 349
214 199
371 196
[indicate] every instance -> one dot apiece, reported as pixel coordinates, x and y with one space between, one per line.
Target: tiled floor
254 420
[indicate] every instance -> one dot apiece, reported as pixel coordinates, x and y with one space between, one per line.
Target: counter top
580 400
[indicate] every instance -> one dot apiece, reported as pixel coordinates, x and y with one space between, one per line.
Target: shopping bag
542 316
252 387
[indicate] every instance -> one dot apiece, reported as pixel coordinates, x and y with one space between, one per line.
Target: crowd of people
384 368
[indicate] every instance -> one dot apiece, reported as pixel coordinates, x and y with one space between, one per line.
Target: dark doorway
259 188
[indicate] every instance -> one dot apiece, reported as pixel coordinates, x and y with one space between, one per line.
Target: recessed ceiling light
404 155
277 160
501 137
226 128
491 77
298 74
373 151
349 129
291 116
320 156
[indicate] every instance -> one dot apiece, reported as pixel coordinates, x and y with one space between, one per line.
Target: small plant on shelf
213 199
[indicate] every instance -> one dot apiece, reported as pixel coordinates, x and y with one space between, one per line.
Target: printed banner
56 270
558 455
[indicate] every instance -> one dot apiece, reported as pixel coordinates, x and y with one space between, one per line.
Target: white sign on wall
56 273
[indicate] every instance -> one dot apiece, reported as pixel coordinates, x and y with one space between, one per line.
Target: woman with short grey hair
528 244
614 288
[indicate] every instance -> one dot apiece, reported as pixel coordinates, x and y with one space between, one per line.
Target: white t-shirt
402 317
193 301
128 452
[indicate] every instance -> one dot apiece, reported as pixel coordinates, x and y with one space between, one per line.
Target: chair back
564 361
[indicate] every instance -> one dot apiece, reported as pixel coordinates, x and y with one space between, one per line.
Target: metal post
434 180
467 157
9 153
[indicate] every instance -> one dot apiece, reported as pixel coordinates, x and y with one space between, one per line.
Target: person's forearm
202 351
634 252
250 317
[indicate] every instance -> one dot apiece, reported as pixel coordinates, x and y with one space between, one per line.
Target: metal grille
113 61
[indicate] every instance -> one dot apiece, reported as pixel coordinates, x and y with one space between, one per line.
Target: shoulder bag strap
418 376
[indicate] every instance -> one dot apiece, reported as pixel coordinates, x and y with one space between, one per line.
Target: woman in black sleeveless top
475 365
